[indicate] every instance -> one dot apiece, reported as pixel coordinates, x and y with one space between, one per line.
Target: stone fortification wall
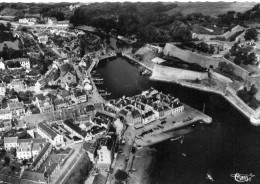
221 78
202 60
174 74
190 57
226 35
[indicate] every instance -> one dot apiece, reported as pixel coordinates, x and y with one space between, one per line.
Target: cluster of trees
251 34
226 68
120 176
9 53
235 18
248 96
148 20
49 11
201 47
242 56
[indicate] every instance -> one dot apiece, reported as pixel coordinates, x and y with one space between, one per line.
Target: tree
251 58
25 161
226 68
237 61
121 175
227 55
251 34
253 90
13 151
7 160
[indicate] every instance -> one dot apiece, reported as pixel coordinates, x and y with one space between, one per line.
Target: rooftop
35 177
10 139
50 169
40 155
15 105
74 127
48 130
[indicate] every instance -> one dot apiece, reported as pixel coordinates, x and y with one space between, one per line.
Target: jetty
131 57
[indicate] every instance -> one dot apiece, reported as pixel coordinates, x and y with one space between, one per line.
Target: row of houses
147 107
25 148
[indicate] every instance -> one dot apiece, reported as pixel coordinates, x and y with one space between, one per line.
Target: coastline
252 120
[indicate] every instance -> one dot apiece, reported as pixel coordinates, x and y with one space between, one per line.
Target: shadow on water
229 145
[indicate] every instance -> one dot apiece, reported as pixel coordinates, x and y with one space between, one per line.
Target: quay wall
166 72
230 96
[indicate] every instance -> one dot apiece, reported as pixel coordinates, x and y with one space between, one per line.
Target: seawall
231 99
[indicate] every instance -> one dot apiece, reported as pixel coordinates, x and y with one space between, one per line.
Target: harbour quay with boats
153 114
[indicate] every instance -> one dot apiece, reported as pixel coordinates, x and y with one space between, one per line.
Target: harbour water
230 145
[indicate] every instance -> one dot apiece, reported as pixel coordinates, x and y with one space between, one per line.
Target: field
14 45
210 8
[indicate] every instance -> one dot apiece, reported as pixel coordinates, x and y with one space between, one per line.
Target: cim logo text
242 177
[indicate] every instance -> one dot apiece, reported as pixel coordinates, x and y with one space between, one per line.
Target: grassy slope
8 12
81 171
211 8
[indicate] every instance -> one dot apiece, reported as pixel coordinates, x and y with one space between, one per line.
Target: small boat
209 177
105 94
101 91
146 72
99 82
94 71
183 154
174 139
97 79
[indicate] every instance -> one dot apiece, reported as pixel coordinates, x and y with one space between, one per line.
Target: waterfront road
177 121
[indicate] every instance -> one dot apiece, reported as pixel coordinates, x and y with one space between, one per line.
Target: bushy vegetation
251 34
242 56
248 96
148 20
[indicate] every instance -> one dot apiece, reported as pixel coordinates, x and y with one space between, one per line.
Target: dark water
230 145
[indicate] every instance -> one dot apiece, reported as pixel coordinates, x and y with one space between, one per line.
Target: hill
210 8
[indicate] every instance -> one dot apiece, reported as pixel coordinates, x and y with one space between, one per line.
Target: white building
148 117
10 142
25 63
29 148
52 21
30 21
24 150
2 89
104 158
43 39
119 126
177 107
17 85
2 65
5 114
50 134
17 109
